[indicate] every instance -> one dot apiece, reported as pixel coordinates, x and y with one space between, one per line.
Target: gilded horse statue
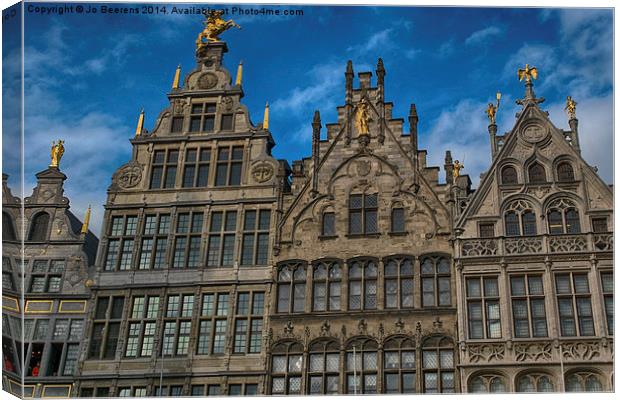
214 26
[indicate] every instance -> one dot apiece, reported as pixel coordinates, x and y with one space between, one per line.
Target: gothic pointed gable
365 153
537 162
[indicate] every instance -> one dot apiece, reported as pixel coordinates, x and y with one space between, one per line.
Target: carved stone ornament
129 176
288 329
581 350
363 167
533 133
485 352
362 327
207 80
262 172
227 103
47 194
325 328
532 351
178 106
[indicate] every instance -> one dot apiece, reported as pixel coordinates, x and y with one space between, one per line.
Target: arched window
438 365
399 283
565 172
361 366
519 219
536 173
563 217
509 175
399 366
435 274
324 368
8 229
286 368
38 227
363 285
583 382
487 383
326 286
534 382
291 286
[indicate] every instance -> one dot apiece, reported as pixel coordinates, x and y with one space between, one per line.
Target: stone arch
564 158
39 227
535 380
589 379
488 381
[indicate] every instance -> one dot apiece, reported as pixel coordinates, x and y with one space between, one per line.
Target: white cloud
412 53
482 36
381 40
446 49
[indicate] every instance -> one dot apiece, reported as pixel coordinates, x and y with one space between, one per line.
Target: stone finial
239 73
140 126
86 221
380 72
177 77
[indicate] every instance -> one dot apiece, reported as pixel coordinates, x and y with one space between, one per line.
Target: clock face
207 81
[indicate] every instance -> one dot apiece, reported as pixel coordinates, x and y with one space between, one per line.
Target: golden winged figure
456 168
58 149
362 117
214 27
528 73
571 106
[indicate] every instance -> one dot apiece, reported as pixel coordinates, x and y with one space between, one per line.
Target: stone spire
449 167
348 99
413 133
316 137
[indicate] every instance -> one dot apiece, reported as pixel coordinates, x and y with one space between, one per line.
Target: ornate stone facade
53 273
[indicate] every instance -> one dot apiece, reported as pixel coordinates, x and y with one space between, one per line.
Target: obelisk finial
266 117
86 220
239 73
140 126
177 77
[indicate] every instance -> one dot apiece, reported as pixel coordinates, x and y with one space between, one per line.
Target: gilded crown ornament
215 25
571 106
58 149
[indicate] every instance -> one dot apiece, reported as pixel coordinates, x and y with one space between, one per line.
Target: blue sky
87 76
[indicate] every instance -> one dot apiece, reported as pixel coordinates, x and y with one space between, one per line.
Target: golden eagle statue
528 73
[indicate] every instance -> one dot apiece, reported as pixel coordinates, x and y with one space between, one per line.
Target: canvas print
205 199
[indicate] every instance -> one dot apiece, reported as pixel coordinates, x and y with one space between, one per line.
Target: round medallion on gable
262 172
207 80
363 167
533 133
227 103
129 176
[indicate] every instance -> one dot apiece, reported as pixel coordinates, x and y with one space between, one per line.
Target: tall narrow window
154 241
106 327
248 322
196 169
8 228
363 285
229 163
607 285
435 274
536 173
227 122
164 169
438 365
486 229
177 125
398 220
326 286
286 368
291 287
483 312
213 324
528 306
509 175
221 249
202 117
177 325
519 219
187 240
329 224
121 243
565 172
324 368
399 366
361 367
398 283
39 227
575 308
363 214
255 247
141 326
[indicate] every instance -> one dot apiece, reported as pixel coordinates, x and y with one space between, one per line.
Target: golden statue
56 153
528 73
457 167
362 117
214 26
571 106
492 108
